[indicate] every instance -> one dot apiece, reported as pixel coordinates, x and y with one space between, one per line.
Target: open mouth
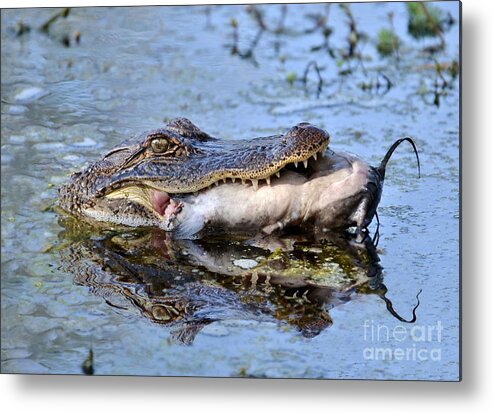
155 200
165 204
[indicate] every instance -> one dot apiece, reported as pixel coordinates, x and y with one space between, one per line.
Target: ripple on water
24 365
16 109
17 139
30 94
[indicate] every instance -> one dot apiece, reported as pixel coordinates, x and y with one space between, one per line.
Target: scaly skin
167 178
192 160
180 159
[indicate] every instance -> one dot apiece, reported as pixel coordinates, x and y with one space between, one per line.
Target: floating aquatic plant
387 43
423 20
291 77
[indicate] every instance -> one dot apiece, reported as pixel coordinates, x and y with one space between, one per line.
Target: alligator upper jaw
205 163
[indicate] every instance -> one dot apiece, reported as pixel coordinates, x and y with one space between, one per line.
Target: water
134 68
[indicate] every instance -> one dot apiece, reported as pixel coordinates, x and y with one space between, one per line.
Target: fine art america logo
408 343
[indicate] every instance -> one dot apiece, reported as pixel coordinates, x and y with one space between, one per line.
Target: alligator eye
159 145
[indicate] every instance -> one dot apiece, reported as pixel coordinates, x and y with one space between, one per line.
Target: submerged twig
380 88
257 16
248 53
434 27
445 74
63 13
326 32
208 23
21 29
304 79
282 20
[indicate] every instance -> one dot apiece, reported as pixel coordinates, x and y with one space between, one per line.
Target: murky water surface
148 305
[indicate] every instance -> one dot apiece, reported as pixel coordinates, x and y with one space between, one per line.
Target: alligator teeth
255 184
278 174
267 180
324 150
315 156
242 181
305 163
233 179
295 164
216 183
224 180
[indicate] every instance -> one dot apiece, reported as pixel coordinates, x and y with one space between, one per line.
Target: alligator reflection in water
188 284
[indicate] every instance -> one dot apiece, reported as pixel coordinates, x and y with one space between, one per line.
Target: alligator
183 180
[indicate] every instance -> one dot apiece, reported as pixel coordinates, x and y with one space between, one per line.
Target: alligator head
181 179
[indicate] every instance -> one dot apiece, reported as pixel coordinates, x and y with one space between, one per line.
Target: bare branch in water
304 79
